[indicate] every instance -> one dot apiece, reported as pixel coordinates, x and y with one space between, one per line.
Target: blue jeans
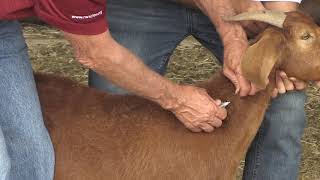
26 152
152 29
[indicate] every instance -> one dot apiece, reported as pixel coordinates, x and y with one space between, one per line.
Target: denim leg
149 28
26 138
4 158
204 31
275 151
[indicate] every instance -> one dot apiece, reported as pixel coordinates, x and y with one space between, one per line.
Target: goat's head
293 46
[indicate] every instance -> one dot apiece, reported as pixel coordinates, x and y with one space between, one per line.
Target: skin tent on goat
98 136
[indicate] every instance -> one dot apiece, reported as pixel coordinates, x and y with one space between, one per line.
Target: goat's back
100 136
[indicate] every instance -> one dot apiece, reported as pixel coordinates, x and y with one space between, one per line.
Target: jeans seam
213 50
189 29
189 20
16 53
16 40
257 155
165 57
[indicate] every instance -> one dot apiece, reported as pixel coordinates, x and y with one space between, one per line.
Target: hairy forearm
121 67
189 3
216 10
281 6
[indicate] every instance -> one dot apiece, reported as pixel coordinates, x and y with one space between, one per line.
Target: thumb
217 102
233 78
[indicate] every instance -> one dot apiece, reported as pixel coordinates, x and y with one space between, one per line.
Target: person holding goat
153 29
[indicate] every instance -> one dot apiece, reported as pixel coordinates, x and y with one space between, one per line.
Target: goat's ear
261 57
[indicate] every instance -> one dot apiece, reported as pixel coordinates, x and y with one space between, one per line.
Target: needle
224 104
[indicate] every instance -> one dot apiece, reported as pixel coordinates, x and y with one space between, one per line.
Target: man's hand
235 45
234 50
197 110
285 83
234 40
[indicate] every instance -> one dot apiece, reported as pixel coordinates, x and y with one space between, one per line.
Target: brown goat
98 136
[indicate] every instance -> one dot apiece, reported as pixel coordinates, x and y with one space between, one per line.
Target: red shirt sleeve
85 17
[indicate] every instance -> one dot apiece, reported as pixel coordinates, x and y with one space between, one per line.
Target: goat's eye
305 36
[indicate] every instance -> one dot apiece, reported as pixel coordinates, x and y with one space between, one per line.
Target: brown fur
99 136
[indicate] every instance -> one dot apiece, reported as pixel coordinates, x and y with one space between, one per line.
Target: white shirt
297 1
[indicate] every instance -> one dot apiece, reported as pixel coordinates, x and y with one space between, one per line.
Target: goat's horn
275 18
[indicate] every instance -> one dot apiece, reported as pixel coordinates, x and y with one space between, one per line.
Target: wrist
189 3
169 97
246 6
281 6
217 10
233 33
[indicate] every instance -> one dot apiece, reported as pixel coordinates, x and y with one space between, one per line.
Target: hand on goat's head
293 46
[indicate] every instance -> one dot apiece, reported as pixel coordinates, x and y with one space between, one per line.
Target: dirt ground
190 63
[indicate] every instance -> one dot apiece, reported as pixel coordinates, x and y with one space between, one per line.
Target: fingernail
283 74
293 79
282 91
217 102
237 91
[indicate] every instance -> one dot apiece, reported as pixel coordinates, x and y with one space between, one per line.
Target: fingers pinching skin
221 113
233 78
206 127
192 128
195 130
298 84
284 84
253 90
289 86
245 86
216 122
218 102
197 110
274 93
280 84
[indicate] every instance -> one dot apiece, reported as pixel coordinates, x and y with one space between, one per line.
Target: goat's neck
245 115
